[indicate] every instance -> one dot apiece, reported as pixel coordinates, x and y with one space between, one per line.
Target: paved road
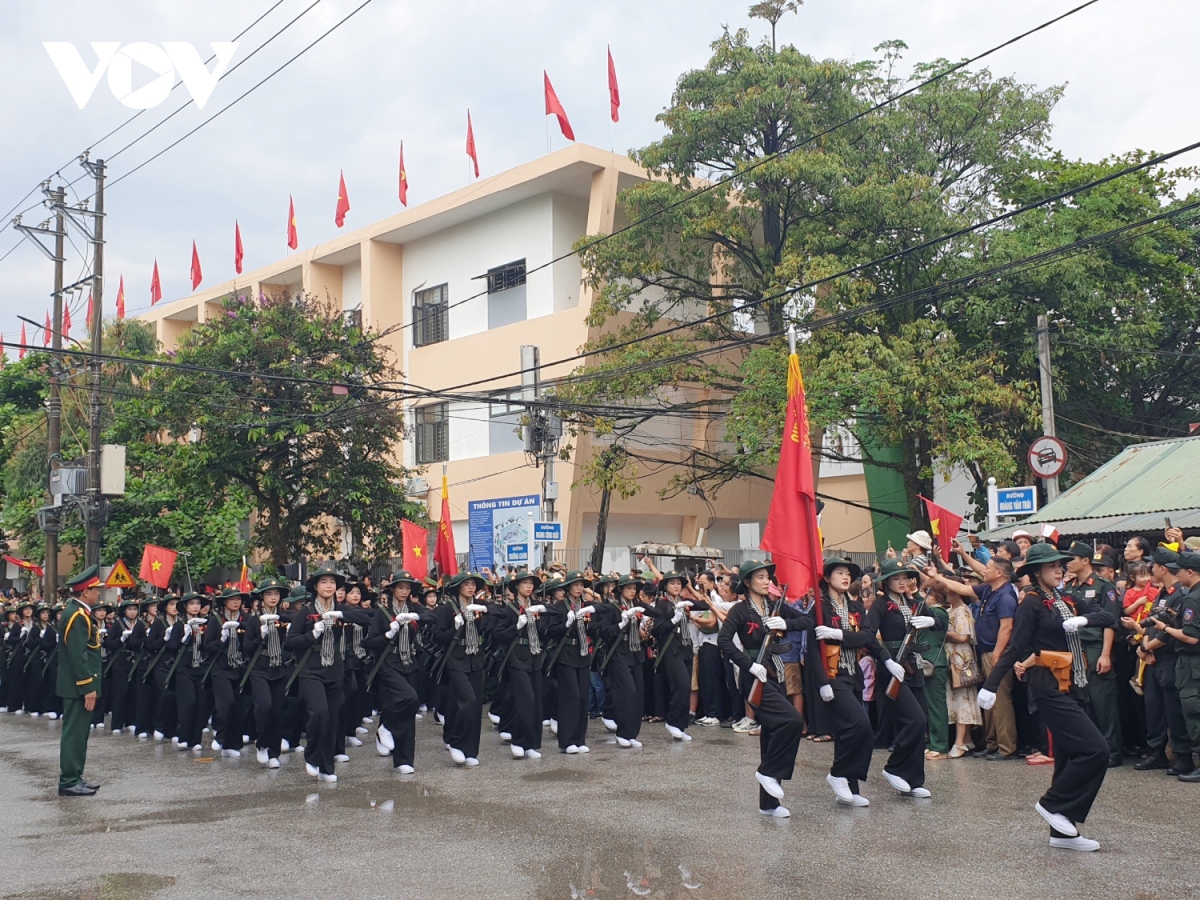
680 820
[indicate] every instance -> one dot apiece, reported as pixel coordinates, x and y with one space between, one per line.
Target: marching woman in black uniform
143 687
190 666
674 654
117 642
315 636
1045 635
355 655
14 675
896 614
572 625
620 630
833 661
456 632
225 642
520 627
782 725
163 642
392 639
35 660
269 670
102 614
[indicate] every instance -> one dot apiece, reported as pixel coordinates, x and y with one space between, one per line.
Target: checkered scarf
233 650
848 659
1078 659
404 644
776 659
471 633
580 624
327 647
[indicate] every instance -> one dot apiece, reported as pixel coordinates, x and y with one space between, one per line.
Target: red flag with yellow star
157 565
443 552
416 549
944 525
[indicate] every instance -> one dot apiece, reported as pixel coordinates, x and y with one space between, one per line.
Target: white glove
678 617
776 623
476 608
825 633
522 620
318 629
987 699
920 622
225 632
826 693
25 630
199 620
588 611
268 619
394 628
266 628
570 618
331 615
684 604
187 634
230 625
124 635
405 618
1073 624
759 671
535 610
895 668
458 622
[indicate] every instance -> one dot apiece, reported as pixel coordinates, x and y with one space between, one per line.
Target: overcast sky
409 69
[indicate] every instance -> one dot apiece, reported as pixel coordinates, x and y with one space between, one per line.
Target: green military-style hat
402 577
603 580
298 594
326 568
364 592
230 592
127 602
572 577
88 578
523 575
671 575
147 602
892 567
750 566
626 580
835 562
1040 554
190 596
271 583
168 598
457 581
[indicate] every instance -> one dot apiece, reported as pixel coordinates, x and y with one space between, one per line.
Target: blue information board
1016 501
547 532
499 530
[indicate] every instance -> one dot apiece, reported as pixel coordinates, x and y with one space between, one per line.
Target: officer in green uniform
78 682
1186 635
1098 645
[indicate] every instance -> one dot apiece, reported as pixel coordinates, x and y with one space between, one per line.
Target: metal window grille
431 316
506 277
433 433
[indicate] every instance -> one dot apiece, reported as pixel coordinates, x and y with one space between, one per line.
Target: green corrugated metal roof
1154 478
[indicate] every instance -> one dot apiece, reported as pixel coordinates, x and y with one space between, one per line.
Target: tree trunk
601 531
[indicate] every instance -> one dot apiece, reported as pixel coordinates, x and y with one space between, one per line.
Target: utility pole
541 435
1047 379
54 408
95 500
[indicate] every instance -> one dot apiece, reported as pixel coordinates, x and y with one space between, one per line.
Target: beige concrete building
463 277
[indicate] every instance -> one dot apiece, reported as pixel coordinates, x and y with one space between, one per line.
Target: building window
433 433
504 423
431 315
506 294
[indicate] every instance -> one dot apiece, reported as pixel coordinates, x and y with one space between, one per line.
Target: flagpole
792 340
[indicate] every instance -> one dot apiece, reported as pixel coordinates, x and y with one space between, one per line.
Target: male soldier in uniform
1186 634
1098 645
78 681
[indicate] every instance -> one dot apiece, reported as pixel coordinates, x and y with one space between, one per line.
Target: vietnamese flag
120 302
157 565
792 535
403 178
293 236
471 144
942 523
443 552
614 92
46 331
66 322
416 549
239 251
343 203
89 312
22 351
155 286
197 274
554 107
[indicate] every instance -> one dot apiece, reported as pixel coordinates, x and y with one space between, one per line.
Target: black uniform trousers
627 685
146 695
853 737
573 686
399 701
525 688
164 710
122 696
502 705
346 722
321 691
1162 676
464 709
189 704
779 740
711 677
266 690
907 715
676 667
1080 756
227 720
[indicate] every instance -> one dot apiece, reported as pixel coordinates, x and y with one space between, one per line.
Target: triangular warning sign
119 577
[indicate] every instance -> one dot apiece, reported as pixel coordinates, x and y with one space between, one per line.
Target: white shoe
471 761
859 800
517 752
840 788
199 748
554 725
505 736
130 729
53 715
770 785
328 779
921 793
380 749
3 709
545 723
284 746
418 716
143 736
35 715
584 748
117 731
216 745
447 746
312 770
299 748
635 744
272 763
158 735
675 732
779 812
708 721
384 736
495 718
263 756
174 739
441 720
423 708
533 754
182 746
231 752
609 724
1075 843
1057 821
458 756
341 757
354 742
361 729
405 769
571 749
897 782
624 743
20 712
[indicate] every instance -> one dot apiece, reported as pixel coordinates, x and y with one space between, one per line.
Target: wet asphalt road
666 821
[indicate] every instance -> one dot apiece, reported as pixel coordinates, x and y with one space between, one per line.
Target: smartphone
1167 519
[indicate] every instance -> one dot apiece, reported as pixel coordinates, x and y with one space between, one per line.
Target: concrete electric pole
1047 379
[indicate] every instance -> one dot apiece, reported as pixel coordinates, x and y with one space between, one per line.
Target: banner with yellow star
157 565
